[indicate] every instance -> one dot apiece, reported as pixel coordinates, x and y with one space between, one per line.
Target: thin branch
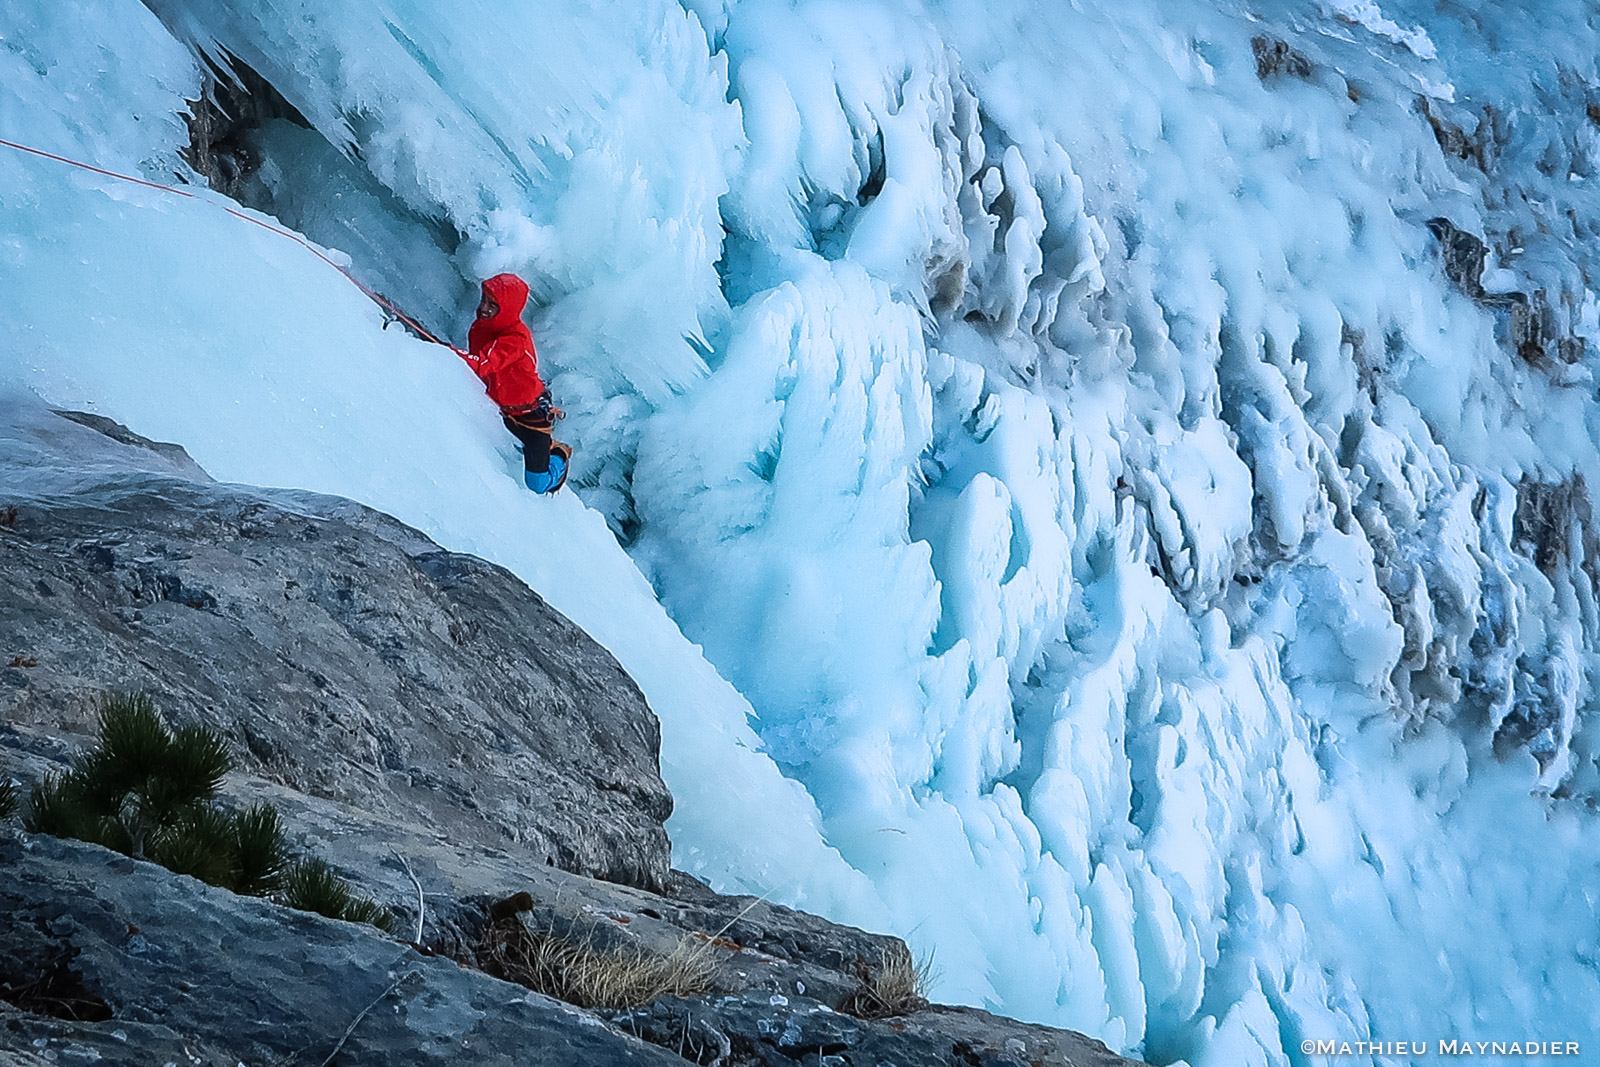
421 907
748 908
363 1014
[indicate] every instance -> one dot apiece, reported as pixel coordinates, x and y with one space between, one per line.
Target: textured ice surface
1148 536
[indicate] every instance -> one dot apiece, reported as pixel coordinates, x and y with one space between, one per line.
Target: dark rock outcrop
344 654
1463 253
141 965
781 1030
1276 58
1454 141
1529 323
236 102
227 979
1553 522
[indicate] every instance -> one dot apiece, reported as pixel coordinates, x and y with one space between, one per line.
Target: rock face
1531 328
176 966
344 654
429 727
121 962
797 1030
1276 58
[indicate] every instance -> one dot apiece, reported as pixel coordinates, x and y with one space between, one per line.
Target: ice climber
500 351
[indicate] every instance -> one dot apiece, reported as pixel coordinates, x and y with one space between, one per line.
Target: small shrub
263 854
48 810
578 973
139 788
150 792
311 886
197 760
199 842
370 912
8 800
61 805
898 985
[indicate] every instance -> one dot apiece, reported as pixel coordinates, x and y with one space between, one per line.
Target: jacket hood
511 293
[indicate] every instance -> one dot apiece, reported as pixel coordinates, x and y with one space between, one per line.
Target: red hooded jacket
500 348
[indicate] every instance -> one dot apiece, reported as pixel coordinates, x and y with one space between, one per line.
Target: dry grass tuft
898 985
578 973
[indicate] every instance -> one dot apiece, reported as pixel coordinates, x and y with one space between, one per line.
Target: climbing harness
377 298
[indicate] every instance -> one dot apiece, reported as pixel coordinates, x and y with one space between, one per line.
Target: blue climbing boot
549 481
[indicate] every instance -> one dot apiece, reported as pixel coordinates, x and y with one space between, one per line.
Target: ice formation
1097 488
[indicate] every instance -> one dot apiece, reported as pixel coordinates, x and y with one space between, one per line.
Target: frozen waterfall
1096 488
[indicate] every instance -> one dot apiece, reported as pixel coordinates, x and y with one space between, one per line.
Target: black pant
533 430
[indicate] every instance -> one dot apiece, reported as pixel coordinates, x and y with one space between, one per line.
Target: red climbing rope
375 297
97 170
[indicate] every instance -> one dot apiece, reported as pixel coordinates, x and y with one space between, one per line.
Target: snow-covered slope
1131 458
